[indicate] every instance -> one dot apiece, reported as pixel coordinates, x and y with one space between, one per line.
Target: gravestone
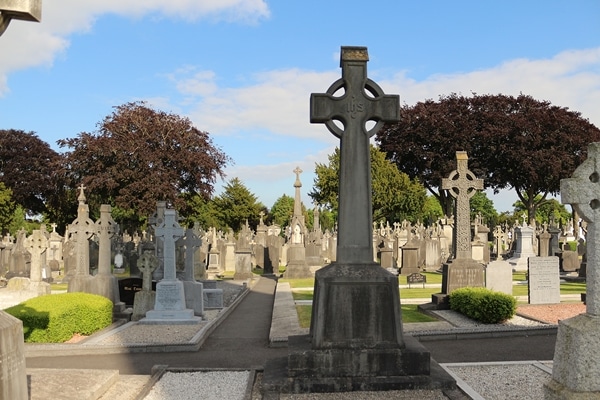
524 247
297 267
81 230
462 271
144 295
356 340
169 306
36 244
194 298
13 375
243 255
498 276
576 371
543 280
104 283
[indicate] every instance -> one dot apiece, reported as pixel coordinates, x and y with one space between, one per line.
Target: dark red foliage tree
28 167
512 142
139 156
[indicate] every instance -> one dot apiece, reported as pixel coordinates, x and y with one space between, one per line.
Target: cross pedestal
37 244
356 340
576 371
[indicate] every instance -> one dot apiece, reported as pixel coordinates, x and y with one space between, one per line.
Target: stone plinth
576 371
498 277
194 297
13 377
524 248
169 306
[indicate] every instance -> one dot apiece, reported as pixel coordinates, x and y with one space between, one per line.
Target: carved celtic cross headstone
362 101
462 185
582 191
169 231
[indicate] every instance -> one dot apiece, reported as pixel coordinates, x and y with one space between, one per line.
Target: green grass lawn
410 313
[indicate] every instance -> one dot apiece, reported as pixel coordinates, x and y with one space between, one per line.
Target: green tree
236 205
549 209
432 210
512 142
7 209
139 156
28 166
203 211
395 196
481 204
282 210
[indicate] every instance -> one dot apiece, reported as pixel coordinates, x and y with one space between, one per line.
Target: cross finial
81 197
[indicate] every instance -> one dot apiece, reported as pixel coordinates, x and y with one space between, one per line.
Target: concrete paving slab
69 384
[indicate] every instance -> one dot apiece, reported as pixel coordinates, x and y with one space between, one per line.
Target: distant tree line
138 156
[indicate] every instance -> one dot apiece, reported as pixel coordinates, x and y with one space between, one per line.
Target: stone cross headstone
37 244
462 271
144 299
462 185
170 304
82 229
356 328
362 101
104 283
576 371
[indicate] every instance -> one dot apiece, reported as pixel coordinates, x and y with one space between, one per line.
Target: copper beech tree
139 156
28 168
515 143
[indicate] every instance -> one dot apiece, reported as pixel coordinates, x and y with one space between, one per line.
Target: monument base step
283 376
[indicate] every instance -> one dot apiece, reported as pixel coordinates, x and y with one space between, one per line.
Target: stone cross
36 244
362 101
147 263
462 185
169 231
83 228
582 191
191 241
106 228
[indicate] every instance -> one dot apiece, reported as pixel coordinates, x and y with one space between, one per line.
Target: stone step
84 384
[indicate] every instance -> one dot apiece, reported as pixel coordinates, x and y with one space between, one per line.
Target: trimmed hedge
56 318
483 305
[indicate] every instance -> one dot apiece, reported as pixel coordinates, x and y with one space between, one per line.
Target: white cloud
570 79
28 44
278 101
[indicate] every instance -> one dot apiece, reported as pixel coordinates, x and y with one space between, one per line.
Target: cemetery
272 311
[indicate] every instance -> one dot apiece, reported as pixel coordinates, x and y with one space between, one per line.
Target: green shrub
55 318
483 305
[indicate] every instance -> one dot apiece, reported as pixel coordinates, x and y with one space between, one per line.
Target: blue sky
243 70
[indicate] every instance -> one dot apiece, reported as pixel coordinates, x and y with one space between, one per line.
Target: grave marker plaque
544 280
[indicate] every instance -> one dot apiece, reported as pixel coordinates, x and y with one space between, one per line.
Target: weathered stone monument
194 297
104 283
36 244
170 306
13 376
145 298
81 230
576 371
356 340
297 266
462 271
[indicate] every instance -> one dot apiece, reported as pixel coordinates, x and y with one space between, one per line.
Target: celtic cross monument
576 371
462 270
356 340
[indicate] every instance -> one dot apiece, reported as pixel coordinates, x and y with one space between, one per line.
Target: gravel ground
229 385
514 381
